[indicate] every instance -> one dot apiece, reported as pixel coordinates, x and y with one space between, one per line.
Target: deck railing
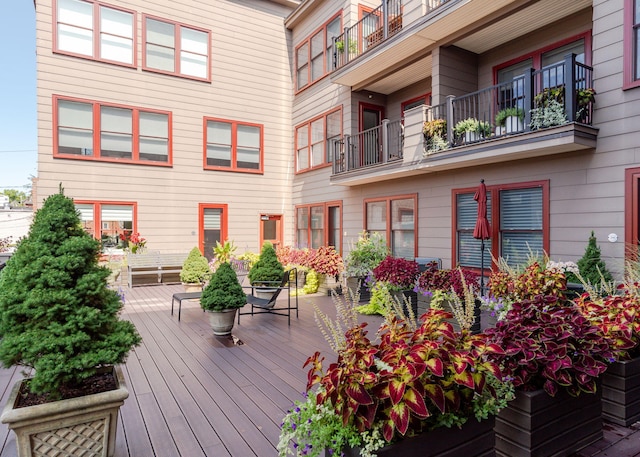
532 101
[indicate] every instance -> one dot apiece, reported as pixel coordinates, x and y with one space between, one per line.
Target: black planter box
621 392
538 425
356 284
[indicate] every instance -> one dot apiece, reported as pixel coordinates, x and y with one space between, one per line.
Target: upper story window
631 44
314 140
313 55
232 145
519 220
415 102
95 31
101 131
176 49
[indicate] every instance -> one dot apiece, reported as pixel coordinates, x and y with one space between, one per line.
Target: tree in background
591 266
17 198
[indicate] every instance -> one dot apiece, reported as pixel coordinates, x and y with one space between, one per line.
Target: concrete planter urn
621 392
537 424
82 426
222 321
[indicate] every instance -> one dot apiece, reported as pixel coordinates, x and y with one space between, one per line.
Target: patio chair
268 305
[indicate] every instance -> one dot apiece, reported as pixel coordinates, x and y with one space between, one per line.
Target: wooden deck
193 394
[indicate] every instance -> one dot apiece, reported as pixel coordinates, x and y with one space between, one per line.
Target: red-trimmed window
631 44
319 224
108 221
314 56
176 49
314 140
232 145
395 219
106 132
95 31
519 218
212 226
424 99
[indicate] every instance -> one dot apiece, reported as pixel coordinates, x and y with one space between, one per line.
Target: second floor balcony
539 113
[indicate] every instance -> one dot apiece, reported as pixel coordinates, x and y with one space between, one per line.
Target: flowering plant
133 241
399 273
366 254
414 379
326 261
549 344
617 316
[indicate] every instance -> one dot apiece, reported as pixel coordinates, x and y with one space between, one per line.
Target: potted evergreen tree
60 319
221 298
593 270
195 271
267 271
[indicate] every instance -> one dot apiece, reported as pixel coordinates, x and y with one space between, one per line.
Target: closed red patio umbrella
482 230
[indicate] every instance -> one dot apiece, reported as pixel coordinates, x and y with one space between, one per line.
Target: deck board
193 394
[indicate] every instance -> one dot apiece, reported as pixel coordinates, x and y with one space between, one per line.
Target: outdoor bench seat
154 267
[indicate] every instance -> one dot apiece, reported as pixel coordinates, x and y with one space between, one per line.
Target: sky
18 133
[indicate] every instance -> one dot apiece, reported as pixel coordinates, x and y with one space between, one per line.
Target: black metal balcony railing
494 112
381 144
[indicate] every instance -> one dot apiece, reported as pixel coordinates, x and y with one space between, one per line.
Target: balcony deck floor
193 394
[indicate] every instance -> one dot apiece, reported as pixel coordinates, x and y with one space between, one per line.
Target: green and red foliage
535 280
549 344
409 378
446 280
398 273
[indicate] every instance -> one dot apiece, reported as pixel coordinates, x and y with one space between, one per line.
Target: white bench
154 268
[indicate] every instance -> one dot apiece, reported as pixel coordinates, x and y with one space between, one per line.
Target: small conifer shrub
57 314
223 291
268 267
591 266
195 269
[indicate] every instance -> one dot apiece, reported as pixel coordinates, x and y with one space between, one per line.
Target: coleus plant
398 273
549 344
447 280
617 316
410 379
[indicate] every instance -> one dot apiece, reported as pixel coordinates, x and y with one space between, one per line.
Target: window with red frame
319 224
315 140
110 222
101 131
415 102
395 219
176 49
519 221
231 145
95 31
212 223
631 43
314 58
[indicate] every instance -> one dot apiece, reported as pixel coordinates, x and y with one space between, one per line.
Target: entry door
370 121
271 229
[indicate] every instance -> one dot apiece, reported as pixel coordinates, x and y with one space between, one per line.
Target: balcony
501 123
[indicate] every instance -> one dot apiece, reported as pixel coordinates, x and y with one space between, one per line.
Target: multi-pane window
176 49
517 218
313 56
314 140
319 225
95 31
233 145
631 43
213 227
395 219
110 222
105 132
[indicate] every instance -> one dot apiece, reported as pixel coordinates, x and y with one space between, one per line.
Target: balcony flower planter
474 439
621 392
79 426
536 424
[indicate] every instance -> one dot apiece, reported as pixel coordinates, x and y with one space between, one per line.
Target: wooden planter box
621 392
538 425
474 439
82 426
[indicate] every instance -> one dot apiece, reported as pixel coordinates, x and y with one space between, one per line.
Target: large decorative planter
82 426
536 424
192 287
327 283
621 392
474 439
356 284
222 321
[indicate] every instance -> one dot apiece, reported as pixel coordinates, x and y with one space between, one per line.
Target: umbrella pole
482 266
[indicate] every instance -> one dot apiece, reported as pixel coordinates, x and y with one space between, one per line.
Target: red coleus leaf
388 428
479 380
396 390
358 393
435 393
415 402
551 387
436 366
399 414
464 379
